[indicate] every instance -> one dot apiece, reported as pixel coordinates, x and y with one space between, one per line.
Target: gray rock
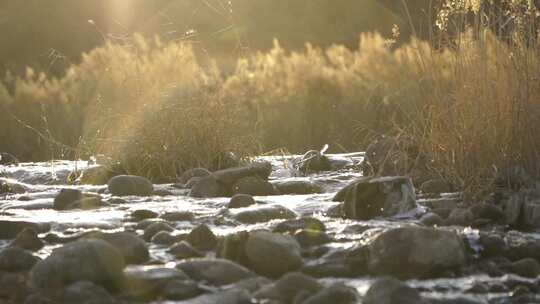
27 239
367 198
183 250
132 247
66 197
288 287
85 292
273 254
123 185
336 293
293 225
298 187
308 237
431 219
154 228
233 247
208 186
9 229
181 290
15 259
142 214
460 217
229 177
91 260
392 291
241 201
216 272
202 238
178 216
415 252
313 161
195 172
254 185
164 238
232 296
86 203
147 282
528 267
261 214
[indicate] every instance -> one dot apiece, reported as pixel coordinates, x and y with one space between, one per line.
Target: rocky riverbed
261 233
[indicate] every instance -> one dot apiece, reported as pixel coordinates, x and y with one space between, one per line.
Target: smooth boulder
123 185
368 198
216 272
415 252
272 254
92 260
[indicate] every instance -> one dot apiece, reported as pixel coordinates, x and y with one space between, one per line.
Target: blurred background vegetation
203 77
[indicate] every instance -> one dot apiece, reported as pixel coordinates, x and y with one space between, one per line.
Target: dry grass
472 105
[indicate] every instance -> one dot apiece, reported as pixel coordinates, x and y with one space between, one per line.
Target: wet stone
154 228
293 225
92 260
27 239
142 214
147 282
241 201
87 293
123 185
183 250
392 291
202 238
178 216
272 254
288 287
216 272
132 247
264 214
15 259
181 290
164 238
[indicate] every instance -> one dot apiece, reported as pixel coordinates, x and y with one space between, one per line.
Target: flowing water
44 180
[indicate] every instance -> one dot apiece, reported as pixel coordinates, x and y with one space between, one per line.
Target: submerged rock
272 254
123 185
368 198
264 214
415 252
92 260
392 291
298 187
